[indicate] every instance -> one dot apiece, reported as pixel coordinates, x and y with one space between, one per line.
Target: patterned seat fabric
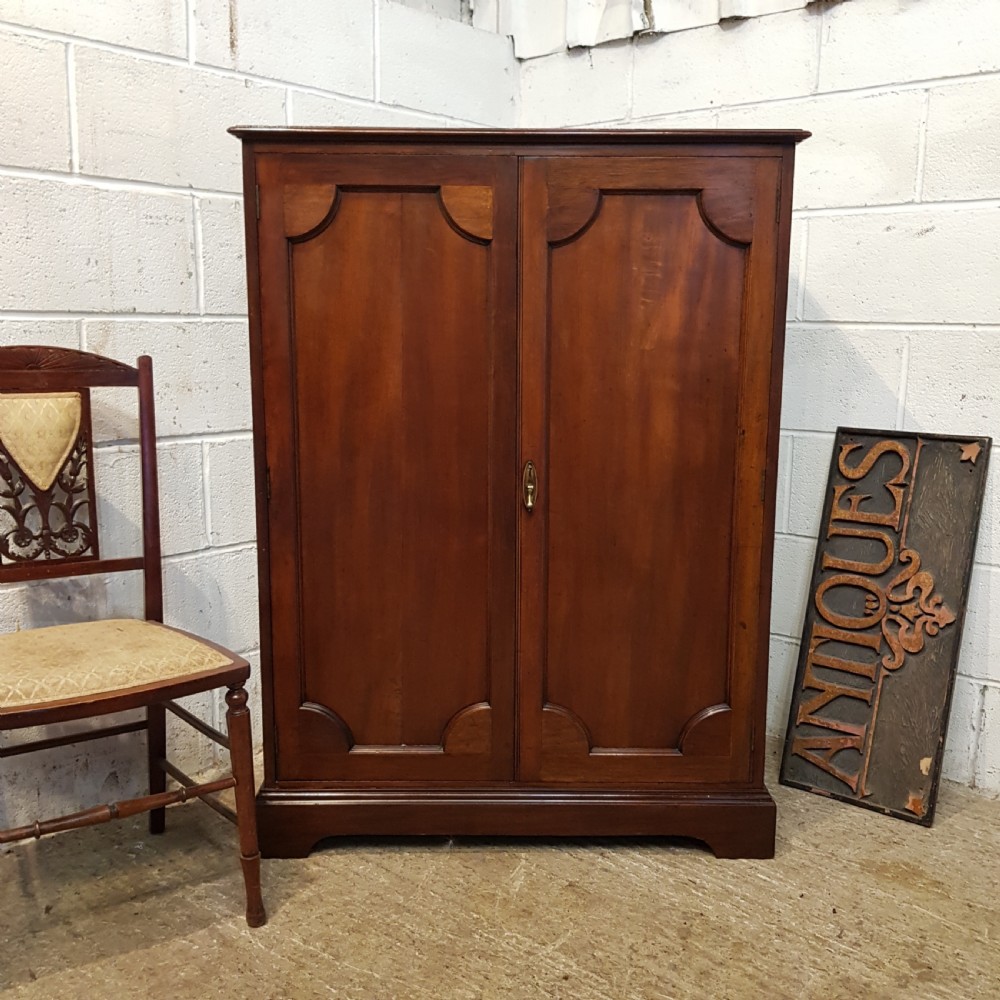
63 662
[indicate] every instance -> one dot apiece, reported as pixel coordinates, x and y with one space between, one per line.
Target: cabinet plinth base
734 824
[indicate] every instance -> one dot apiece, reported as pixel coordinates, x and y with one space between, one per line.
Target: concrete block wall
893 316
119 191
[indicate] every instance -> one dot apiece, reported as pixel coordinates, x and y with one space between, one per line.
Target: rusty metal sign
884 619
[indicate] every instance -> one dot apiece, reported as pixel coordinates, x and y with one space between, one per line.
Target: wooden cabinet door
648 305
387 359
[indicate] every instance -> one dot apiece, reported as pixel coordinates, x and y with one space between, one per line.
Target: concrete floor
855 905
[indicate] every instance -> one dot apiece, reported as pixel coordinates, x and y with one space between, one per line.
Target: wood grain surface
516 407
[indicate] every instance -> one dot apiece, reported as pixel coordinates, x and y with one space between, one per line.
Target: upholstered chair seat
70 662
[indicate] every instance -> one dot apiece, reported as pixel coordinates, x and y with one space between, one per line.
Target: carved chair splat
49 529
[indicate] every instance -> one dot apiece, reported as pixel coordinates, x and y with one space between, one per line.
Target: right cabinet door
648 301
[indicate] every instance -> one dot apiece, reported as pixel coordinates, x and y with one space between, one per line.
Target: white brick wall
962 158
877 267
33 130
220 234
766 58
165 122
894 315
119 191
318 109
150 27
111 250
201 371
123 234
328 46
593 86
890 42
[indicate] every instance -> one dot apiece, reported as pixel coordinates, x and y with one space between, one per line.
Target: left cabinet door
385 378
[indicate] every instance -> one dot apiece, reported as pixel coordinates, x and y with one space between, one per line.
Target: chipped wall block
536 29
591 22
678 15
486 15
541 29
681 15
453 10
757 8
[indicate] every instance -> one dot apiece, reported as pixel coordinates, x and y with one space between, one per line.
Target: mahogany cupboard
516 401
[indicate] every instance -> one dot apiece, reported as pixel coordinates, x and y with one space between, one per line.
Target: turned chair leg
156 744
241 754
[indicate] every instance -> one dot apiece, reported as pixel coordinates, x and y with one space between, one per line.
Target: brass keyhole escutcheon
529 485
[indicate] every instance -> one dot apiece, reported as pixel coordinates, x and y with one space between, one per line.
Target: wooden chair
48 529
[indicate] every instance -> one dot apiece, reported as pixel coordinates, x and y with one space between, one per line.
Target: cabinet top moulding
522 137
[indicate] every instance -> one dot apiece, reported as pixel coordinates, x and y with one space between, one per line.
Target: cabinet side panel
392 393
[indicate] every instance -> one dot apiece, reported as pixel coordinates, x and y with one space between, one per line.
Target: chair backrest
48 509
